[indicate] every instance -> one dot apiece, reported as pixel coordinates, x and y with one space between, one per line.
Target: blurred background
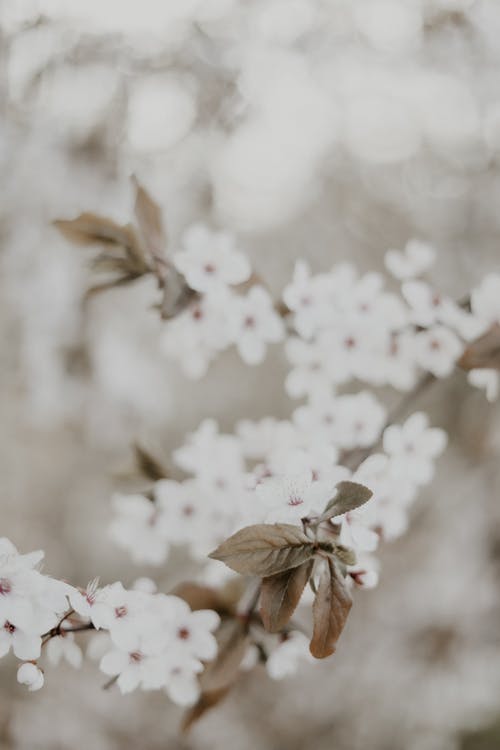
318 129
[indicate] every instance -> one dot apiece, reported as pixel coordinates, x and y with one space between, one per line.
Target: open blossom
210 260
163 649
487 379
485 300
254 323
414 260
351 421
414 446
437 350
198 334
313 368
137 526
293 497
285 658
30 603
307 297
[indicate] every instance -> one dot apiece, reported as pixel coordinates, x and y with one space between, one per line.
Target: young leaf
89 228
330 611
149 220
484 353
280 595
349 495
265 549
149 466
345 554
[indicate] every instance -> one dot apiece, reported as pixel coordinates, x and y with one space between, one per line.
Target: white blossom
284 660
414 260
254 323
486 379
30 675
210 260
437 350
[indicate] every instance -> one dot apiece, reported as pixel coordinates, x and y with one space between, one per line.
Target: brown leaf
280 595
330 611
149 219
205 702
345 554
90 228
265 549
202 597
148 465
349 495
232 638
484 353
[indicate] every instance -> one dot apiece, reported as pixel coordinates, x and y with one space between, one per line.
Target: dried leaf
232 638
89 228
149 466
106 285
205 702
280 595
484 353
330 611
350 495
202 597
149 219
346 555
265 549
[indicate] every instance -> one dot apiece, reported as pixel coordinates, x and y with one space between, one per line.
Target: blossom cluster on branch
295 507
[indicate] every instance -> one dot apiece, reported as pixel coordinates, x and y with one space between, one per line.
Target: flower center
135 657
349 342
209 268
121 611
249 321
5 586
9 627
187 510
294 500
183 634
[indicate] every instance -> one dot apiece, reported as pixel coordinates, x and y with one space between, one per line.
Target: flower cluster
283 471
148 640
343 326
223 312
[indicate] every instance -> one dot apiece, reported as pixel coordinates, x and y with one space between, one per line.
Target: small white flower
182 685
30 675
485 300
414 446
210 260
194 337
307 297
437 350
414 260
284 660
293 497
254 324
191 633
260 439
313 369
137 527
427 305
488 380
25 645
